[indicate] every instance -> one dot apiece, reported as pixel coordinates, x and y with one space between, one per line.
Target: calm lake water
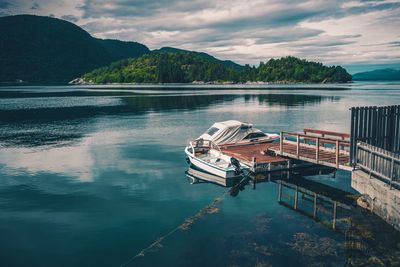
92 175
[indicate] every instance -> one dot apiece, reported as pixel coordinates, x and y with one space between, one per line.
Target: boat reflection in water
197 175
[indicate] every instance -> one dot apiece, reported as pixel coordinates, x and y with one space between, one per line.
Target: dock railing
379 162
309 147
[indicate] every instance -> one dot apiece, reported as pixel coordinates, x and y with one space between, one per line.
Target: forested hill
180 66
226 63
40 49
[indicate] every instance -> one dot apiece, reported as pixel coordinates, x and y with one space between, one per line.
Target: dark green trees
292 69
180 66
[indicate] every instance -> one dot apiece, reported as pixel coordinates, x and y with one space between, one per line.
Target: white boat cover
227 132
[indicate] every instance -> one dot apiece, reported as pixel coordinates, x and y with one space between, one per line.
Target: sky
360 35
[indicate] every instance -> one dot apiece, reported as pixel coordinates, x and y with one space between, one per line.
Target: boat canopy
232 131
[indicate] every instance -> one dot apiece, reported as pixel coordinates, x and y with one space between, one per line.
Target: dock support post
281 143
280 191
334 215
315 206
269 172
254 160
296 195
289 166
317 152
298 145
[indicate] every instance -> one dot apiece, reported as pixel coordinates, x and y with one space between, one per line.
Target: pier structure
371 152
295 150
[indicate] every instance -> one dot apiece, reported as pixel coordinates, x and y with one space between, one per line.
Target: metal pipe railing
378 162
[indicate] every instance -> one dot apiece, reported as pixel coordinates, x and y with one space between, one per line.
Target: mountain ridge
385 74
39 49
43 49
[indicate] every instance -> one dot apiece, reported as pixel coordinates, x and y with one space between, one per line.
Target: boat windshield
254 135
212 131
202 143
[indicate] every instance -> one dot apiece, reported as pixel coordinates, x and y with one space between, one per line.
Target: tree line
185 67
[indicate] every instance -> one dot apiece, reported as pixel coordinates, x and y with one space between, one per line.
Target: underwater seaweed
312 246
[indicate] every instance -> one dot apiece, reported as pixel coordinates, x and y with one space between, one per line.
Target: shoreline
183 87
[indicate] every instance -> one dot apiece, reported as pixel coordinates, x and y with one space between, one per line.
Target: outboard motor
236 163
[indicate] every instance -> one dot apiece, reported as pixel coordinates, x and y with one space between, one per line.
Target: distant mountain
40 49
170 65
378 75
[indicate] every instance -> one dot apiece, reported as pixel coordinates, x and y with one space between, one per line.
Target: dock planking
248 152
306 152
257 158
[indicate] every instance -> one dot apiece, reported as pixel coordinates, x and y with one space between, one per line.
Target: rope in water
209 209
184 226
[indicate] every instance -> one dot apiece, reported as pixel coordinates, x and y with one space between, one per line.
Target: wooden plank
324 132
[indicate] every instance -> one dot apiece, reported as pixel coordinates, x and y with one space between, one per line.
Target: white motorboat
206 155
234 132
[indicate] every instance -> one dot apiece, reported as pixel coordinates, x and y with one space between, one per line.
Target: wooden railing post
281 143
298 146
337 154
317 152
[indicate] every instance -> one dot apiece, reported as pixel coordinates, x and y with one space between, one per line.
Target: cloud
333 32
4 4
394 44
35 6
70 18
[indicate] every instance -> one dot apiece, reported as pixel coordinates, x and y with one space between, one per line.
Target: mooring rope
209 209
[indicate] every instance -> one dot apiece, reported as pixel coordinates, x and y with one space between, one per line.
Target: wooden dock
319 147
316 146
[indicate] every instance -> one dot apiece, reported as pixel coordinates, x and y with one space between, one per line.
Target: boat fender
236 163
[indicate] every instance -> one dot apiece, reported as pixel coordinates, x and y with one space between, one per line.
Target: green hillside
226 63
40 49
180 66
163 67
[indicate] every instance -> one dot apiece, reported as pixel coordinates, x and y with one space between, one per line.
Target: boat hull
209 168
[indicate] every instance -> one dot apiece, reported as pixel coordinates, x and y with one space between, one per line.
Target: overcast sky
350 33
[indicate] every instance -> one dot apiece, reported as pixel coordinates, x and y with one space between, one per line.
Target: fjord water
91 175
